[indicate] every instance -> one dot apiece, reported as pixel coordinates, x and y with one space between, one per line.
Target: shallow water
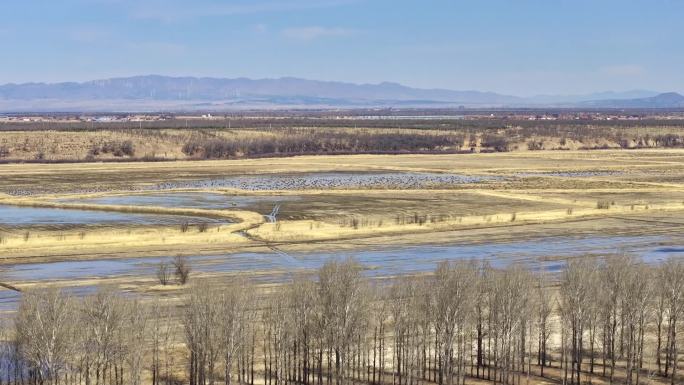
379 261
9 300
279 266
200 200
26 216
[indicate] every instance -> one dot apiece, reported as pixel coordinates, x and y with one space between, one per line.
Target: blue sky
521 47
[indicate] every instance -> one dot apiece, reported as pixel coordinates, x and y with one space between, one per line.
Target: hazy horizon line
358 83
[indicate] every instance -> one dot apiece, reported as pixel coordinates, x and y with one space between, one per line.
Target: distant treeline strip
284 140
321 142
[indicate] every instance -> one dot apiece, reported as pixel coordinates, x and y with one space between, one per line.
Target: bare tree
303 300
463 321
510 306
163 272
136 329
638 311
673 283
202 324
343 297
234 314
45 332
181 269
453 304
103 319
162 332
576 295
544 311
612 278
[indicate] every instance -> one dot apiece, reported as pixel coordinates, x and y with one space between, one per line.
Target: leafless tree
612 278
673 283
577 284
453 305
202 324
162 333
163 272
510 308
103 319
336 326
137 323
343 296
181 269
235 312
638 312
544 311
45 333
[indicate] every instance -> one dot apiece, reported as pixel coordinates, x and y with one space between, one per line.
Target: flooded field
14 216
378 261
198 200
548 253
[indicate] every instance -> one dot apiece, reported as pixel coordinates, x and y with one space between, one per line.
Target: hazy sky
520 47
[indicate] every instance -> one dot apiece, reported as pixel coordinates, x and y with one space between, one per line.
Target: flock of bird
310 181
325 181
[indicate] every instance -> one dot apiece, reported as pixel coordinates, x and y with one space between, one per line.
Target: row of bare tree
320 141
612 320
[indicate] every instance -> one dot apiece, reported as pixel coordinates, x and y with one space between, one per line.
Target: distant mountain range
665 100
154 93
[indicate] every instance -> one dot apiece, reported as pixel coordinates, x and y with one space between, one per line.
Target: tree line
294 141
611 320
291 142
319 136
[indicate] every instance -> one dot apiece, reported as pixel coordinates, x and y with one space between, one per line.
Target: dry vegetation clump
118 149
182 269
612 320
164 272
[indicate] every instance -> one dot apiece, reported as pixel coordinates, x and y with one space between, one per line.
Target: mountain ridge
159 92
158 87
663 100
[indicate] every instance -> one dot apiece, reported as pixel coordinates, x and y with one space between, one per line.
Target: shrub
116 148
163 272
497 142
184 227
181 269
534 145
